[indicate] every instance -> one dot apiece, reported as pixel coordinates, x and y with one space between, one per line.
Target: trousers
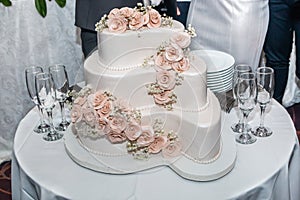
284 23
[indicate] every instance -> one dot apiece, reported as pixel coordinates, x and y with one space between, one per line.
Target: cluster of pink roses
169 62
116 121
120 20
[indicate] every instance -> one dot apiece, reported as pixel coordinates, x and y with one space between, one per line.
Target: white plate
229 71
219 79
216 61
223 89
221 85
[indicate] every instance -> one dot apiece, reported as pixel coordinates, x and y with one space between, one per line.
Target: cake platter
183 166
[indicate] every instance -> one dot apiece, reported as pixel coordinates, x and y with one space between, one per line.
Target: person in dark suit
89 12
284 23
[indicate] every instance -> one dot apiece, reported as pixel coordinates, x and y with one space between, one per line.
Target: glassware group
251 88
45 89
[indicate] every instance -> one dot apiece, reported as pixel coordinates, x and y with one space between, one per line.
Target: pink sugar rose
89 116
118 123
105 110
117 24
182 65
133 131
163 98
137 20
76 113
182 39
80 100
126 11
123 105
154 19
101 125
99 100
116 137
146 137
166 79
114 13
161 62
173 53
146 18
172 150
158 144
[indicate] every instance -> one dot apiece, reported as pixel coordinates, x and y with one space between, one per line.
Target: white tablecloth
268 169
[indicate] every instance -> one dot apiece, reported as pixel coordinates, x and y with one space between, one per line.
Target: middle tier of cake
132 84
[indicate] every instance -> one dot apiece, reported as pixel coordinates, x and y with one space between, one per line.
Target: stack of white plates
219 69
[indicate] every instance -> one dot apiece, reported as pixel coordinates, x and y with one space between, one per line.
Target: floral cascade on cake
169 62
158 71
100 115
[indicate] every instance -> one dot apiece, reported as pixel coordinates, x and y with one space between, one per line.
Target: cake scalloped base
183 166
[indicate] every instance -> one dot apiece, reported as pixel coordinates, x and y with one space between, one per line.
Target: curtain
28 39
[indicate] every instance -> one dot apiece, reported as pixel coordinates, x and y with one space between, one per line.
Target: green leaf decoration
61 3
41 7
6 2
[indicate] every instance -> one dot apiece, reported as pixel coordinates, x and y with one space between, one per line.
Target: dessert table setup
267 169
78 151
153 117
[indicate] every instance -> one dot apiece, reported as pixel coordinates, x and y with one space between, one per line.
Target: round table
267 169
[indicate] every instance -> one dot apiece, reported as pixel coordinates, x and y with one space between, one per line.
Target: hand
178 11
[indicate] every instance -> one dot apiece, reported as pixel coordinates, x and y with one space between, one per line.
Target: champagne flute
46 96
237 71
265 89
246 95
30 73
61 83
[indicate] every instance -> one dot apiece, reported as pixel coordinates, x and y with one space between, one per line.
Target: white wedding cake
146 101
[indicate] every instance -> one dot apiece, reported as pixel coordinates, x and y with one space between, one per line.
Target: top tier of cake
127 36
130 48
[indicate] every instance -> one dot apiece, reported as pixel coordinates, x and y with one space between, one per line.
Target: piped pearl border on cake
126 154
122 69
99 153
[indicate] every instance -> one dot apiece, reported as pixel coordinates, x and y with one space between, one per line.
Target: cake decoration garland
170 61
140 17
101 115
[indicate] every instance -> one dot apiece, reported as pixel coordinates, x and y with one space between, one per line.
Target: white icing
132 47
130 84
117 67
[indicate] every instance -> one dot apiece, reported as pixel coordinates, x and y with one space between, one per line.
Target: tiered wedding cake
146 102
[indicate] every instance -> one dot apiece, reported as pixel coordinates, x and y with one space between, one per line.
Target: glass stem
244 121
50 117
41 113
62 109
262 115
241 118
